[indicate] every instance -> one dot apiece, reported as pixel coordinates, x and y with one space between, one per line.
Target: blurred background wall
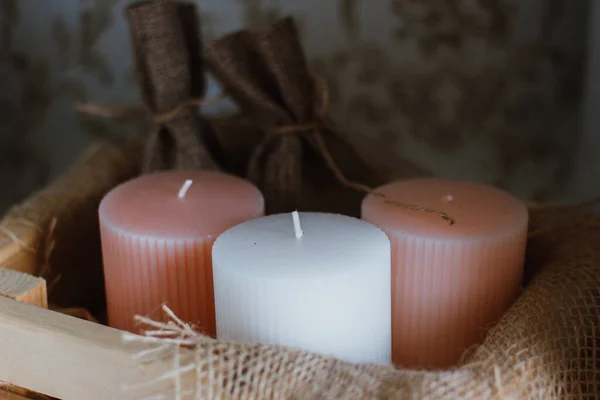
499 91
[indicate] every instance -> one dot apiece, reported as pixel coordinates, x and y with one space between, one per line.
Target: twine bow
324 123
136 111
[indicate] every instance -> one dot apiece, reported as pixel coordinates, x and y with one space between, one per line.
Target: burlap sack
168 57
303 159
167 49
547 346
283 139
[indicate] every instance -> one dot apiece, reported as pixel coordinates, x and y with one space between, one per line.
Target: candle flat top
479 210
155 204
267 247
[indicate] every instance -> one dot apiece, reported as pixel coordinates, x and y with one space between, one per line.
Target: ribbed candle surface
322 285
449 283
157 233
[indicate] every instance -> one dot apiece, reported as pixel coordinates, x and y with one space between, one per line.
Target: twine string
136 111
498 383
322 123
163 118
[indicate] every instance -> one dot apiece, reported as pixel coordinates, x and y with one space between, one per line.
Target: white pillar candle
313 281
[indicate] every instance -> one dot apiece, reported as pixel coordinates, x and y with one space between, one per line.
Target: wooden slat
28 289
22 287
5 394
9 392
69 358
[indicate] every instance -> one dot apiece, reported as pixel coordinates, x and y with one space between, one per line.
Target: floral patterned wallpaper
487 90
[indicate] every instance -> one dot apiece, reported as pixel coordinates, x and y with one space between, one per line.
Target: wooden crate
53 354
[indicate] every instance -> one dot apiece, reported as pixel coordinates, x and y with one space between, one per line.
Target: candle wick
297 226
184 188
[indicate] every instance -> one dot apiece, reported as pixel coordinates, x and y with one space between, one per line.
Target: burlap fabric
266 74
547 346
59 225
233 139
168 58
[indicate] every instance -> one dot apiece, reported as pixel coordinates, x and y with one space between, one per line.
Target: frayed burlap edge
547 346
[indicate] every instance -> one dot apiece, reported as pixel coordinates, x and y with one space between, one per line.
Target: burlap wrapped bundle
283 140
303 161
168 57
170 70
547 346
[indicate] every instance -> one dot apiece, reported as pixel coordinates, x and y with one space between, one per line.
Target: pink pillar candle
157 233
449 282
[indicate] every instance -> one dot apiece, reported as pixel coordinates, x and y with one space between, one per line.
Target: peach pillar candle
157 232
449 282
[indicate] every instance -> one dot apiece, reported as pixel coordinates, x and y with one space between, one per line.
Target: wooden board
27 289
9 392
22 287
72 359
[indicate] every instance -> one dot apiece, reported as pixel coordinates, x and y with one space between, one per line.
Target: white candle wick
297 226
184 188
